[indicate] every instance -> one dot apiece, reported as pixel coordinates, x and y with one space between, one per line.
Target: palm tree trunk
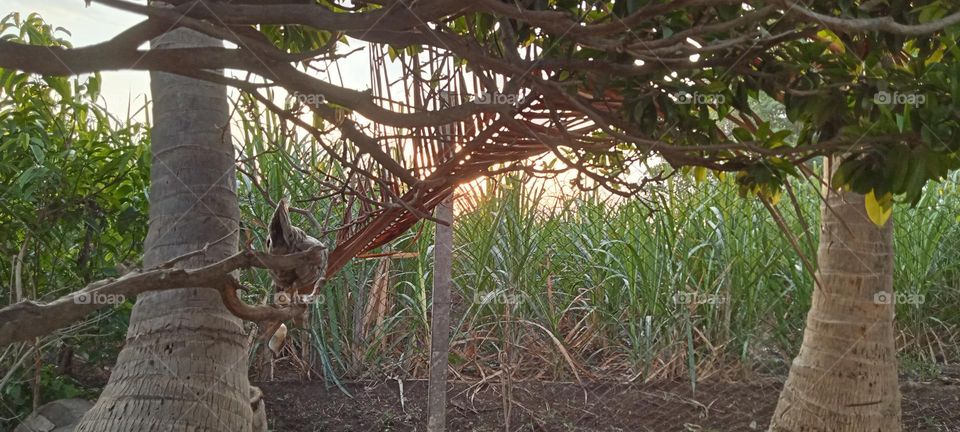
183 366
845 377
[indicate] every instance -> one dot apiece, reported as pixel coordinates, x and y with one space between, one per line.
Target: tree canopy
464 89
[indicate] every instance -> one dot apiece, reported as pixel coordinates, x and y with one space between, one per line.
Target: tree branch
879 24
26 320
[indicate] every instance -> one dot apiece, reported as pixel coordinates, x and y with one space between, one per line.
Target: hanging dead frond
284 239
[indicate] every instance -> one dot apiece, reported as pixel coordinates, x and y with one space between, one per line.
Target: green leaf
742 134
37 154
843 173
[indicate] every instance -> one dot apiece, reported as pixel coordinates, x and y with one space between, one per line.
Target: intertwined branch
411 154
26 320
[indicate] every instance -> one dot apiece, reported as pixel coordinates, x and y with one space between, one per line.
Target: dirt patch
541 406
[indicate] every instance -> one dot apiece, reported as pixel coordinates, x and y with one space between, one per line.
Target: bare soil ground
539 406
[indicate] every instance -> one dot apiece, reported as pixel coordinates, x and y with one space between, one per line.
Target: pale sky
97 23
89 25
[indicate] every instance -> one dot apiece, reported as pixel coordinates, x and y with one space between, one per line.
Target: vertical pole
440 309
440 319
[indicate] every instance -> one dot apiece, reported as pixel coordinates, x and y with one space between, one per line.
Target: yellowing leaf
699 174
836 44
774 197
936 56
771 194
879 210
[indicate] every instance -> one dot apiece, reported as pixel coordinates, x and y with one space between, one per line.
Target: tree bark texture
845 377
183 366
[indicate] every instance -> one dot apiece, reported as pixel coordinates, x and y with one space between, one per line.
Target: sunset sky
97 23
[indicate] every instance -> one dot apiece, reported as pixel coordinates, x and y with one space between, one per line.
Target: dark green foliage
73 198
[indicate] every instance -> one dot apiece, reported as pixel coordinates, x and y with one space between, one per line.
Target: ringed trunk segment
844 378
184 364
